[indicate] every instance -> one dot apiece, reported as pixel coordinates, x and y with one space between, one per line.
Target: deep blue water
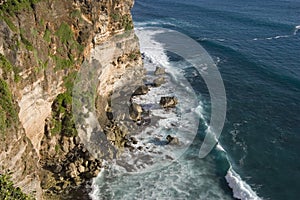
256 47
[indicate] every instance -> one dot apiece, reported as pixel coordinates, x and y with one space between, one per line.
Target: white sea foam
212 39
241 190
273 37
297 28
179 181
182 178
153 23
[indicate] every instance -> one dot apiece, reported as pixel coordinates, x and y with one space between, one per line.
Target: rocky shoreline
43 47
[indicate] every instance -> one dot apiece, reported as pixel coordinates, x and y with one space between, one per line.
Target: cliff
43 45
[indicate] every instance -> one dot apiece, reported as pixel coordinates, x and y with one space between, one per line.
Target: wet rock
135 111
140 148
142 90
134 140
159 71
127 144
159 81
169 157
168 102
172 140
131 148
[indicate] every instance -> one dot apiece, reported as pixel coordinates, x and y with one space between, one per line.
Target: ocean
255 46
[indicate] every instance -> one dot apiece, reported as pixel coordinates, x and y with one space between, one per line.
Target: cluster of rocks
68 164
139 115
115 134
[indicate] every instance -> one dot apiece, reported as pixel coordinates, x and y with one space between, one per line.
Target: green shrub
13 6
63 122
5 65
115 17
27 44
7 68
62 63
9 192
9 23
127 23
65 33
8 111
47 35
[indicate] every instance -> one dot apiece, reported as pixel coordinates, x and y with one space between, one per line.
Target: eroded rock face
46 43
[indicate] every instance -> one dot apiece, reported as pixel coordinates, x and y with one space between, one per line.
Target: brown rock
81 169
159 71
142 90
159 81
172 140
168 102
135 111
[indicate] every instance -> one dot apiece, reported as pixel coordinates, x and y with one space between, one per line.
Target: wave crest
241 190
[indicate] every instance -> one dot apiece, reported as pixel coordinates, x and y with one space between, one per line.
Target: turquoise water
256 46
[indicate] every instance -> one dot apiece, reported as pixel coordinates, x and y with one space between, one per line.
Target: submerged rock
142 90
168 102
172 140
159 71
159 81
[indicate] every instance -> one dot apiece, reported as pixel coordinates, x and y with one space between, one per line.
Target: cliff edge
43 45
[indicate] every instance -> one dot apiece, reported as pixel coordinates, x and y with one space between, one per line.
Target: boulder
159 81
58 168
168 102
142 90
81 169
172 140
72 172
135 111
159 71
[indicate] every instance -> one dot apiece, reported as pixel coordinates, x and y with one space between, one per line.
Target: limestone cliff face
42 46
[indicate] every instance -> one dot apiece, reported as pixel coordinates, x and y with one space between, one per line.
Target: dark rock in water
140 148
134 140
172 140
168 102
135 111
159 81
142 90
127 144
146 121
159 71
169 157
